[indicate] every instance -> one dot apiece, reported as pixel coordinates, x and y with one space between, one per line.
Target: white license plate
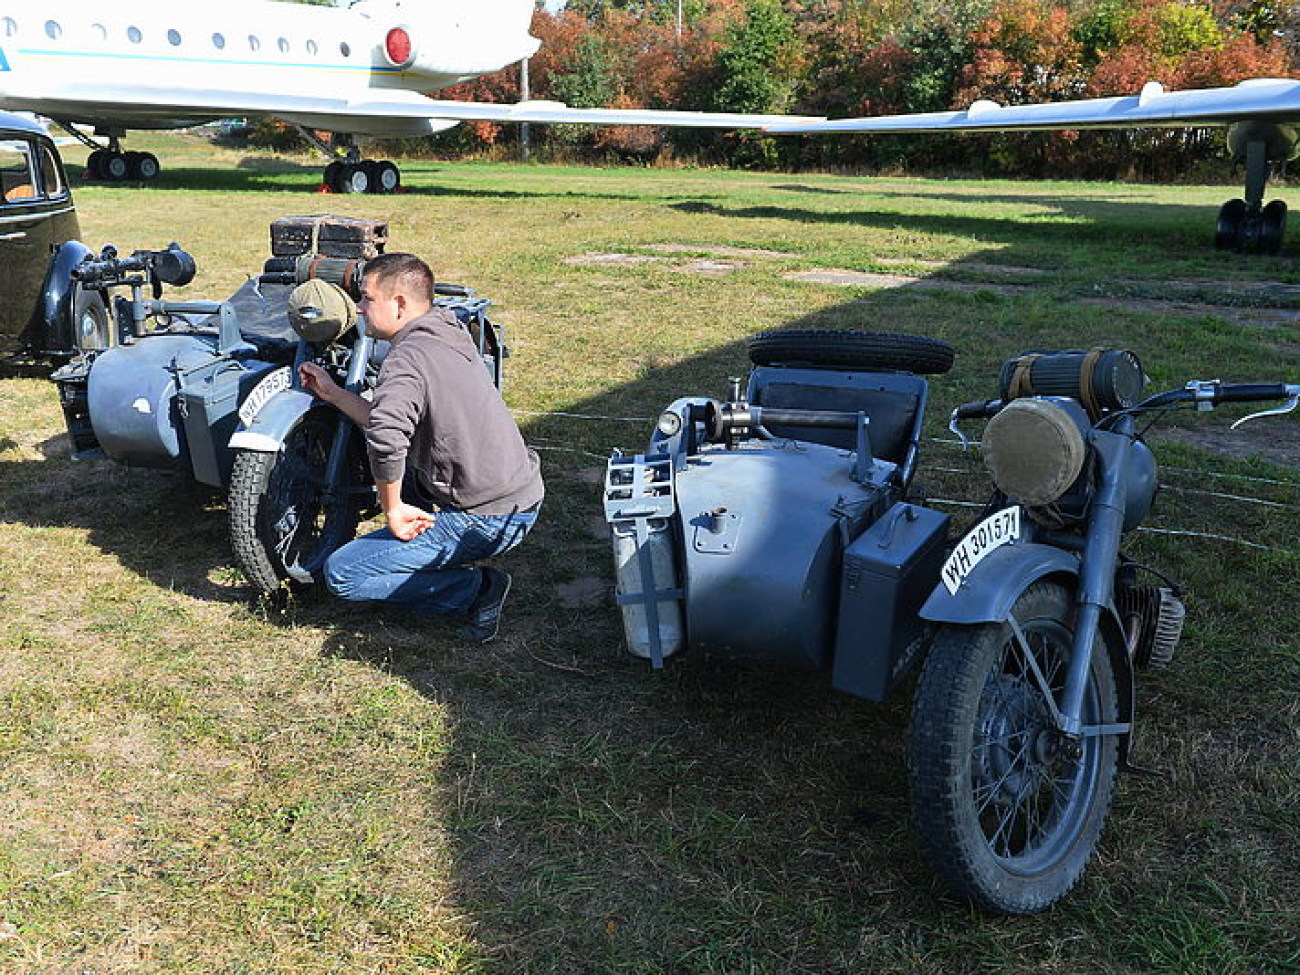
998 529
275 382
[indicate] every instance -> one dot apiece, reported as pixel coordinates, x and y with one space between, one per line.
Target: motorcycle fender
992 589
273 421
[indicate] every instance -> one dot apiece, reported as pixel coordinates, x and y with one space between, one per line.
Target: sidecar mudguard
992 589
273 421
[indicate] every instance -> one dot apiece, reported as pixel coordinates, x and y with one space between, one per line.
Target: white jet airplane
360 71
1261 116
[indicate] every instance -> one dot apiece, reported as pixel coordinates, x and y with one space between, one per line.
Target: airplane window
174 38
218 41
283 45
17 184
100 32
52 30
133 35
51 174
345 50
253 43
10 26
311 47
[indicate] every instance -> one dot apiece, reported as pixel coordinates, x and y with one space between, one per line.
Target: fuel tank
764 528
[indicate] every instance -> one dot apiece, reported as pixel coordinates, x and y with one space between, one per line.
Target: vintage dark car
36 216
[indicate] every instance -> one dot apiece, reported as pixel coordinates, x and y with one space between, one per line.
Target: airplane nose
398 47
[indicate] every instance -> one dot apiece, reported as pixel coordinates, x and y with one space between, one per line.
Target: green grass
193 781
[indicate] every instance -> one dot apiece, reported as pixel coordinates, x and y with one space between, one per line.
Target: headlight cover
1035 449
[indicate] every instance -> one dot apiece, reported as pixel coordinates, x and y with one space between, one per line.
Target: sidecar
778 526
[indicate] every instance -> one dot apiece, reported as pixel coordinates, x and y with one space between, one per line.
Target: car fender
52 327
273 422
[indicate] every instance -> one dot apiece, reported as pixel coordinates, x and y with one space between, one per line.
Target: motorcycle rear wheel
1006 817
284 522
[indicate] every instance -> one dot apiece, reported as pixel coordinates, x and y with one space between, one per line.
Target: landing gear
1261 232
362 176
113 165
347 172
1249 225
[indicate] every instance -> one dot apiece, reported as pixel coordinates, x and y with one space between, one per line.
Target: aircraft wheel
1231 223
388 178
333 178
143 165
355 178
1272 227
114 166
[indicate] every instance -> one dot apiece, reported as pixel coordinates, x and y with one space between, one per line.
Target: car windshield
17 181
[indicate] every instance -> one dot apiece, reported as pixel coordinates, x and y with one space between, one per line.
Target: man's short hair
402 272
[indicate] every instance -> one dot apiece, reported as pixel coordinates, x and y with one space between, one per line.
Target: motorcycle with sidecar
779 527
212 388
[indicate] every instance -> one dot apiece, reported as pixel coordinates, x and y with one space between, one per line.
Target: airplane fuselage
164 65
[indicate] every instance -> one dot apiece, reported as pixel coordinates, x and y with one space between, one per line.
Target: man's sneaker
484 616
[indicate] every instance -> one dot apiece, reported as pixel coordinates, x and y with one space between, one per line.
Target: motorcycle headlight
1035 448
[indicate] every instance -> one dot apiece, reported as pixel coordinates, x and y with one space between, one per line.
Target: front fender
273 421
991 590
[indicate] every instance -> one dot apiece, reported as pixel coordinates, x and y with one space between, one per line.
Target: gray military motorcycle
779 527
211 389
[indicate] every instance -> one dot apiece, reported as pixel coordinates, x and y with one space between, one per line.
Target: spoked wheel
284 520
1007 810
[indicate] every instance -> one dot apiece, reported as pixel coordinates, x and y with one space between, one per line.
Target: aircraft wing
366 112
1268 99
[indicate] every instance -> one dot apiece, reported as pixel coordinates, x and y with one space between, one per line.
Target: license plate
998 529
271 384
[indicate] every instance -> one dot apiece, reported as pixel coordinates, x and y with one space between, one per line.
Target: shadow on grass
604 817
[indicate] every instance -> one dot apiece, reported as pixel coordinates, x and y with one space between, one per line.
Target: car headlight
1035 449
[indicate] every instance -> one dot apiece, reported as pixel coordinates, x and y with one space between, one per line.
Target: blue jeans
430 573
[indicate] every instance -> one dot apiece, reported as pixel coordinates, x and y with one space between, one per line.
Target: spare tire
853 350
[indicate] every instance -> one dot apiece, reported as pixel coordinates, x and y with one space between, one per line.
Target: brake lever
1288 407
956 431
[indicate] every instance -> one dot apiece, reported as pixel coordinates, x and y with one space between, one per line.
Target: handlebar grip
278 277
1250 392
977 409
452 290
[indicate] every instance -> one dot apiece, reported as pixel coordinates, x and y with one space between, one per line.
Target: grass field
195 781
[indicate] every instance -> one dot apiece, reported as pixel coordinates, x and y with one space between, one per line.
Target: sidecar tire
853 350
269 491
1004 818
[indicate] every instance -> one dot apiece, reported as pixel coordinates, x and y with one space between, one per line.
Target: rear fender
273 422
52 328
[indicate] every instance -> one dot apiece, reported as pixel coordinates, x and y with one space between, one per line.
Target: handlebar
171 266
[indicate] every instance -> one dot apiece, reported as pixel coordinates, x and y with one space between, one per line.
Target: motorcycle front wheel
1008 812
285 520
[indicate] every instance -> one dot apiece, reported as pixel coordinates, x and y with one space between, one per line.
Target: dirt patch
585 593
720 250
871 279
703 265
1272 439
1255 317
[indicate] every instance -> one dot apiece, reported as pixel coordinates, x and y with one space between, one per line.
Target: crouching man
456 482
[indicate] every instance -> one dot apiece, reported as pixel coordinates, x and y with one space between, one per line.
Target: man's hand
317 380
406 521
